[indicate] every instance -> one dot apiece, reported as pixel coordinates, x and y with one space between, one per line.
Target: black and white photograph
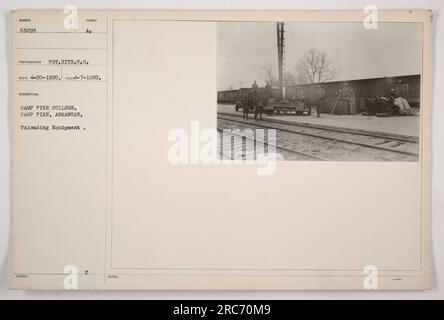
232 153
329 91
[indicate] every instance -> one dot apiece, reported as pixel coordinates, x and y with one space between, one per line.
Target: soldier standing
254 99
255 87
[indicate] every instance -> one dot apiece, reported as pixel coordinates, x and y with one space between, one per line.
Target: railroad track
330 128
238 150
404 146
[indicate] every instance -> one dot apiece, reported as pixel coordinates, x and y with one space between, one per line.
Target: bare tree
268 74
315 67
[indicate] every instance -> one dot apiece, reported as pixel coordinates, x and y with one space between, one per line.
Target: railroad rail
333 129
406 146
239 147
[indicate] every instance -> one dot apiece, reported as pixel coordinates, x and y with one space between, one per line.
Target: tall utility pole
281 50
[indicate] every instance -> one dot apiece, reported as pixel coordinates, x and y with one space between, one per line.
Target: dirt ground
399 125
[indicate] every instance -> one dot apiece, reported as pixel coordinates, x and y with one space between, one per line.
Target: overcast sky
245 47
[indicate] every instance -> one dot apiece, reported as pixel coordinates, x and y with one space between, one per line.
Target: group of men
253 102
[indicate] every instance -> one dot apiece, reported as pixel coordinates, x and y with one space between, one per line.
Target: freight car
228 96
408 87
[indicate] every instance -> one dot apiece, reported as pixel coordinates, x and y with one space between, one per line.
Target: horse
245 109
258 109
248 103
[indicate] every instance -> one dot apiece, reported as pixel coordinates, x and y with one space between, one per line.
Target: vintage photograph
328 91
